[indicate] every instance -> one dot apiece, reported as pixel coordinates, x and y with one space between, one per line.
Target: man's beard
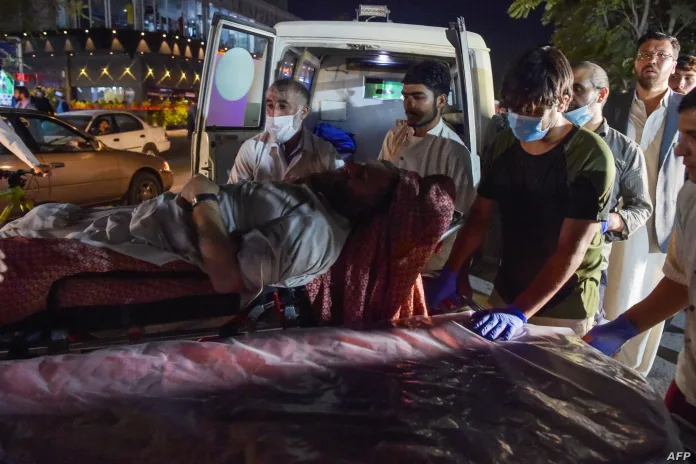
648 82
430 117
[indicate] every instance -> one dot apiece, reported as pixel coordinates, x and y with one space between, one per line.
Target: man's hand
42 170
442 288
498 324
198 185
3 266
609 338
616 223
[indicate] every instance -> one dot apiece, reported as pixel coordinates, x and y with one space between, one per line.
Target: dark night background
506 37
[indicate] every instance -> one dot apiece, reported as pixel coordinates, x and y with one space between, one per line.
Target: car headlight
165 166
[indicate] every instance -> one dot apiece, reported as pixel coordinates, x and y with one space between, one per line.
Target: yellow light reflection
105 72
127 71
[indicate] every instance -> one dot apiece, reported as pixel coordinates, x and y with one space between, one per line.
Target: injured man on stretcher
243 236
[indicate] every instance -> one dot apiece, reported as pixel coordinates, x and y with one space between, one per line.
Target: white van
353 71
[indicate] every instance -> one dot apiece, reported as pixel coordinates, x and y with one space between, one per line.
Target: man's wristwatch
204 197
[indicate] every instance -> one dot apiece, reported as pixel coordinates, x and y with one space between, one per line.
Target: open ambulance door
456 34
237 70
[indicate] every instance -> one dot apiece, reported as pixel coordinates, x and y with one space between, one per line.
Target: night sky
506 37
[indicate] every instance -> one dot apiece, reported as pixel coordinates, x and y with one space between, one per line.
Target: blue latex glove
498 324
444 286
609 338
605 226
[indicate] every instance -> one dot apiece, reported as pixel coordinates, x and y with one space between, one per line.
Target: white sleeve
387 151
289 251
676 263
12 142
243 168
460 171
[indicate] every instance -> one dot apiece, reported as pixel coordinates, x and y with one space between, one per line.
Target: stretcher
137 307
427 390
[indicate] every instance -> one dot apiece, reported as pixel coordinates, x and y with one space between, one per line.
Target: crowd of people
585 184
23 99
589 189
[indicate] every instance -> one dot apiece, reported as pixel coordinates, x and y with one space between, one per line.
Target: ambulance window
236 92
305 74
382 89
287 67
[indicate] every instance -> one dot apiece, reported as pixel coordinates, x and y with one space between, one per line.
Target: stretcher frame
54 331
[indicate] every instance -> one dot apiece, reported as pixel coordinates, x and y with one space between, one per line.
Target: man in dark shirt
552 182
630 203
41 102
191 118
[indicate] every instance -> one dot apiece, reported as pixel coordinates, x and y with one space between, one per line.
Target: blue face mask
527 128
580 116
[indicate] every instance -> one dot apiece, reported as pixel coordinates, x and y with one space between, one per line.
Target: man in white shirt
676 290
285 149
649 117
425 144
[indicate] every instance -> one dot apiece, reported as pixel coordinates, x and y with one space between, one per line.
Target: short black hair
432 74
687 63
661 36
22 90
688 102
538 77
291 85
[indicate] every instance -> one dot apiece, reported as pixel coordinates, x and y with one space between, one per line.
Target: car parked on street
92 174
119 129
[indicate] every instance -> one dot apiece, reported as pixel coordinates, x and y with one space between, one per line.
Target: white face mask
283 128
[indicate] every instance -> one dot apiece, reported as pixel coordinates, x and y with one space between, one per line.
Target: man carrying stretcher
243 236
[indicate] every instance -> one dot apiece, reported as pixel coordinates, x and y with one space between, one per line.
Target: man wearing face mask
426 145
647 115
285 149
552 182
630 204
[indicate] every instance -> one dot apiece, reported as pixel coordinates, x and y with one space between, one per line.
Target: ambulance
353 71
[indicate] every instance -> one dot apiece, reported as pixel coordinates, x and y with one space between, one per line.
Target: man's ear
305 112
564 104
441 101
603 95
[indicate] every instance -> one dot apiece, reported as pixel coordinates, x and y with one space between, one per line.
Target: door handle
57 165
142 136
117 140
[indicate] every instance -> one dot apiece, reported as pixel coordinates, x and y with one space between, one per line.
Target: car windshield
79 121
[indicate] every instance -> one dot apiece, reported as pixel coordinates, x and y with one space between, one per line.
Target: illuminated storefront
124 50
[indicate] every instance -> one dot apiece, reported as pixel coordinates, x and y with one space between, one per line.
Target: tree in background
606 31
39 15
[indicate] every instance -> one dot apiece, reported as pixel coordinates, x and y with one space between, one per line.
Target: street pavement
179 158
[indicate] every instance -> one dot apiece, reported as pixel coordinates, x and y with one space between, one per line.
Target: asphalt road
179 158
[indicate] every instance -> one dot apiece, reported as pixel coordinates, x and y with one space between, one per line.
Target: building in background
128 51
